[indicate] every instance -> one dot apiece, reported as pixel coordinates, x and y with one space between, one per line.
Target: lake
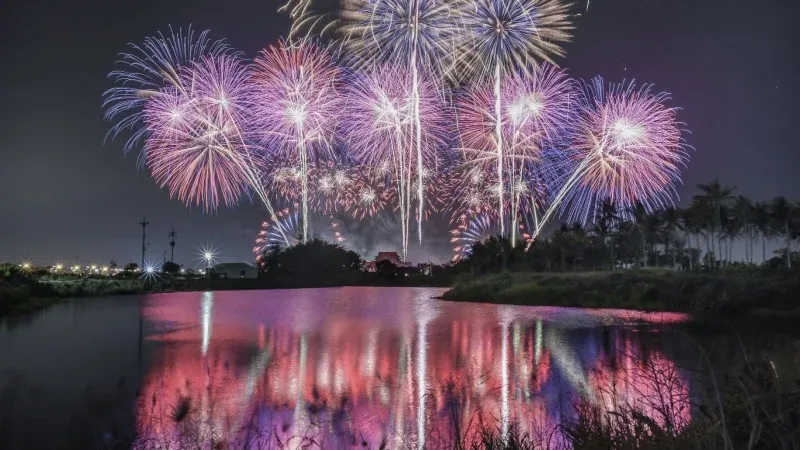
337 367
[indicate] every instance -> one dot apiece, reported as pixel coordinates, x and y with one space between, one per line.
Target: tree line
699 237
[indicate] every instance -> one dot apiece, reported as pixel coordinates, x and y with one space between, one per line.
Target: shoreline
33 296
705 296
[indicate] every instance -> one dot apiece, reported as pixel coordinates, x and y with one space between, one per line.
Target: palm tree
783 213
742 211
762 222
690 224
715 196
731 229
606 220
640 216
670 221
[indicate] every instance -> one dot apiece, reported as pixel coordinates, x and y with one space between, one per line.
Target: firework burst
381 131
509 36
146 70
513 141
626 147
369 194
502 37
194 145
476 229
296 103
398 31
418 34
288 223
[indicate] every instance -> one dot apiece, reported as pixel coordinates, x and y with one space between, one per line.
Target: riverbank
703 295
33 295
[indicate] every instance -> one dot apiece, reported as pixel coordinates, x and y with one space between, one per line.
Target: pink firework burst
296 104
296 101
195 145
378 125
331 187
627 147
147 69
535 111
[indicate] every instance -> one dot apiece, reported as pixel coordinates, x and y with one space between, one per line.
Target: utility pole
144 223
172 235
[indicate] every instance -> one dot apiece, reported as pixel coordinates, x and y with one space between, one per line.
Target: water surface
371 367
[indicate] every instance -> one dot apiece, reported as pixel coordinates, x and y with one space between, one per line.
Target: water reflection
390 368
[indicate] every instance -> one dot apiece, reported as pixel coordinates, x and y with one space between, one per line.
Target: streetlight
208 254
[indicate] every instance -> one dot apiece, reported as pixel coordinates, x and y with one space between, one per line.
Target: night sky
66 193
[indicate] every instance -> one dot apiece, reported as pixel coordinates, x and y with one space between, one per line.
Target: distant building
234 270
392 257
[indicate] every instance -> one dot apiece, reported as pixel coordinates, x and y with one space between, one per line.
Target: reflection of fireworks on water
476 229
288 223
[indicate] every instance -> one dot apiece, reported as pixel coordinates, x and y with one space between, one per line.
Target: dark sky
66 194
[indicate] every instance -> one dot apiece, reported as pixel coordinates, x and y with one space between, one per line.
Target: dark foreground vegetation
674 259
706 295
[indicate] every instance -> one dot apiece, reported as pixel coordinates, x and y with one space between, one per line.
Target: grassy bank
31 295
701 294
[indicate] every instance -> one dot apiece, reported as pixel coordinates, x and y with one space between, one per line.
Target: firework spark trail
419 34
303 18
626 147
508 128
509 36
380 128
295 105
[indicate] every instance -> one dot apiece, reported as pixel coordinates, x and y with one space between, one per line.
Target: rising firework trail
626 147
419 34
502 37
295 105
